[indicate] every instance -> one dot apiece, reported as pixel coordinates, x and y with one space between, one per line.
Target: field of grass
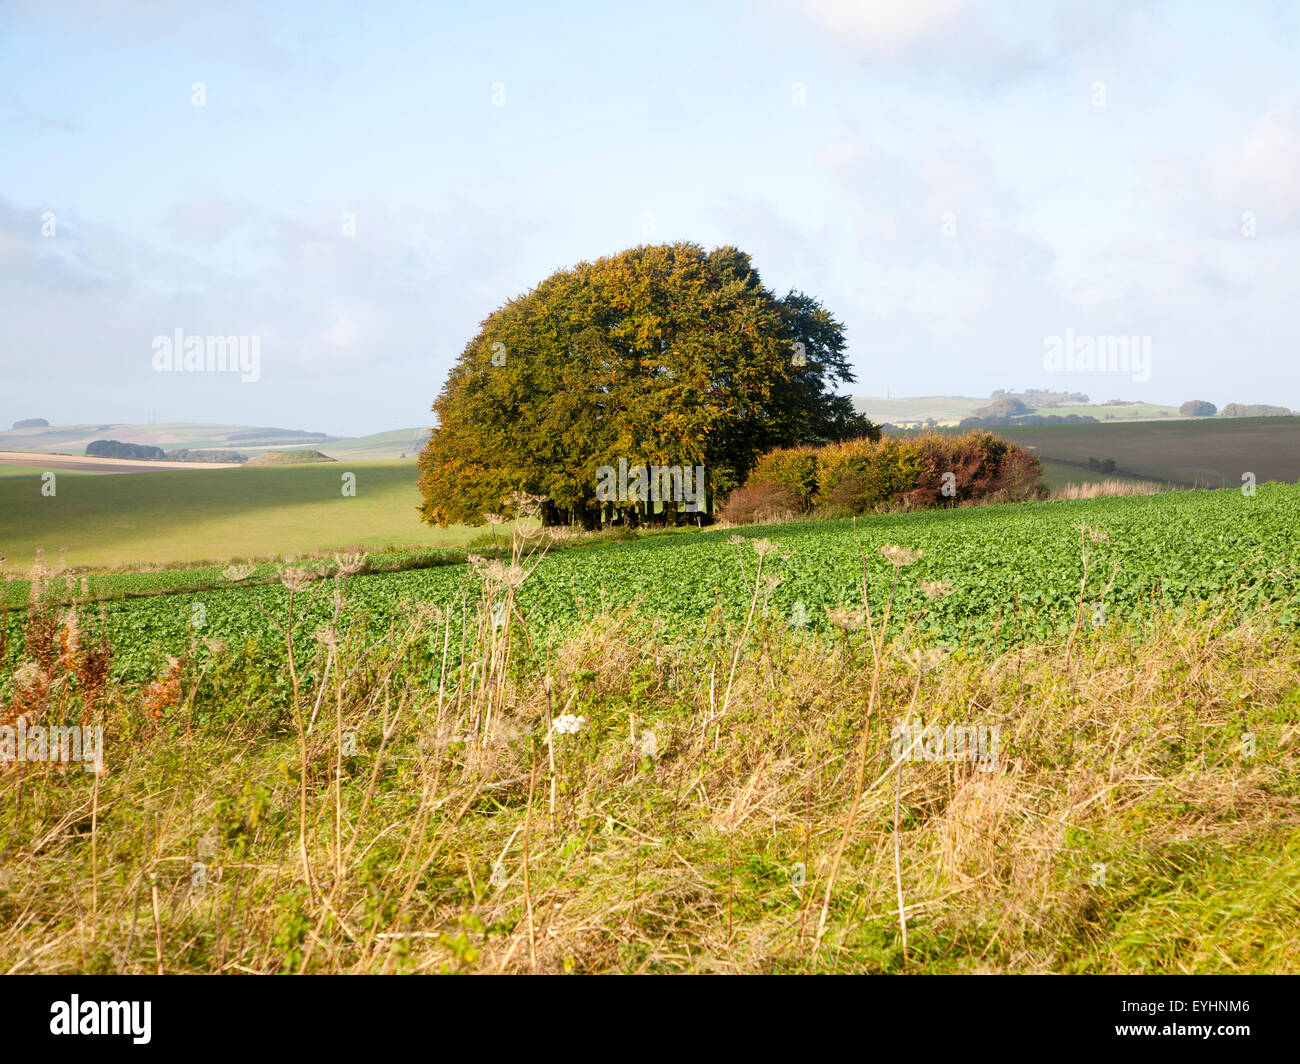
191 517
1127 412
943 408
12 472
381 445
636 758
1192 452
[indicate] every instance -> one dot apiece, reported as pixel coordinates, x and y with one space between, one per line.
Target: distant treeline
141 452
1255 410
117 449
1038 397
1026 419
184 455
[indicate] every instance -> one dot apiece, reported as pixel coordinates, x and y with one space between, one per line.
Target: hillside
72 439
1191 452
183 516
289 457
948 410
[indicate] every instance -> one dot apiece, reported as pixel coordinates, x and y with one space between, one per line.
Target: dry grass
396 807
1103 488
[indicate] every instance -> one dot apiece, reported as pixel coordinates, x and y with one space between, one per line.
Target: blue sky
956 182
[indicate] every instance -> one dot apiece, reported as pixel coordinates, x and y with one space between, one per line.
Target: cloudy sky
958 182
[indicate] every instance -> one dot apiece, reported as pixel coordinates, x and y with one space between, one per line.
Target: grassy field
381 445
10 472
422 772
180 518
1194 452
1127 412
945 409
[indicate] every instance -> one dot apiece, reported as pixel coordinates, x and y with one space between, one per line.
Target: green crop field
190 517
1014 571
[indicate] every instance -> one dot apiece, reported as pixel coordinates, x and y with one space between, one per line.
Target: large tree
665 355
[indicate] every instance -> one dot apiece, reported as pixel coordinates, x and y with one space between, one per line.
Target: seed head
349 564
649 744
568 724
849 620
295 579
900 556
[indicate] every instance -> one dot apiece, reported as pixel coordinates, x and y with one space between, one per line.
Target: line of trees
116 449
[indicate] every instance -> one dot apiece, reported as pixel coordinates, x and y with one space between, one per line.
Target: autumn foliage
664 355
857 476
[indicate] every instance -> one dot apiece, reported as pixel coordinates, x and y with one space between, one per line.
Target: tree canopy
661 355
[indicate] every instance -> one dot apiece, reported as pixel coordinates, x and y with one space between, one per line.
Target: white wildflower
568 724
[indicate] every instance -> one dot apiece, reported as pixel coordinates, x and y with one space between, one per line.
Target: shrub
794 468
764 501
858 476
1198 408
852 494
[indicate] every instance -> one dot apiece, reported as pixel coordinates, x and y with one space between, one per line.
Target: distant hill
188 437
277 458
32 423
399 443
1207 452
950 410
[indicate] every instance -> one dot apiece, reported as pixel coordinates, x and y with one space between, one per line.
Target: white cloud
878 27
1262 173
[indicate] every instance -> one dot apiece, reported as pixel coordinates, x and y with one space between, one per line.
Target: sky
357 186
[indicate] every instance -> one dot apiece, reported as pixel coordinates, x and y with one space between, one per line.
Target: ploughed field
1010 575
